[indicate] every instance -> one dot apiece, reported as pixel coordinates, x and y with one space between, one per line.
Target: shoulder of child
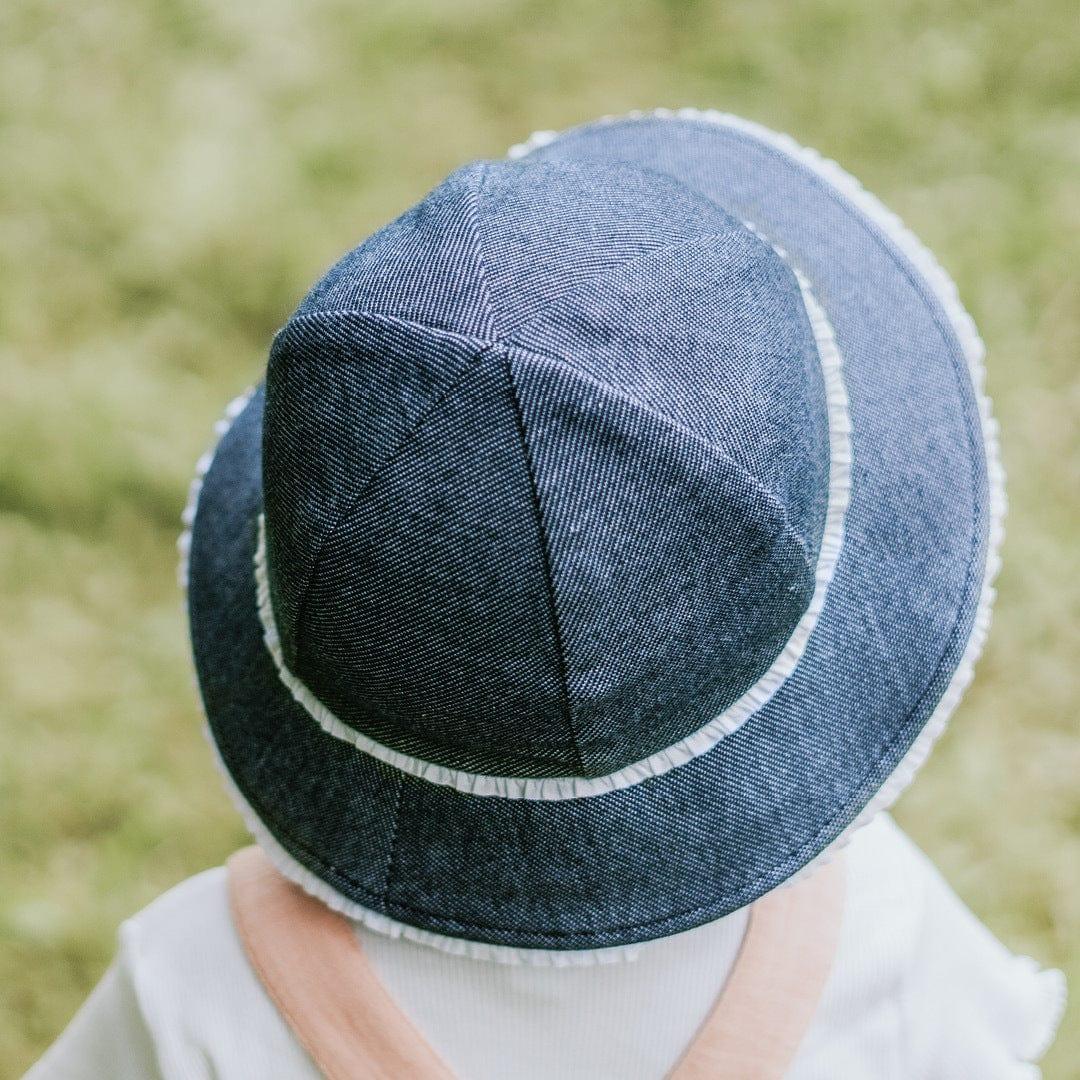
920 987
206 1010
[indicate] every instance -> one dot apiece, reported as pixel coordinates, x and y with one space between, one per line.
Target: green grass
175 174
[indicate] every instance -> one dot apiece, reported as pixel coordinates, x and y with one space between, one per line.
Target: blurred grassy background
173 176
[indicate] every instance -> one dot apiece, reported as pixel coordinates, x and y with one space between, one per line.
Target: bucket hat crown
539 499
613 532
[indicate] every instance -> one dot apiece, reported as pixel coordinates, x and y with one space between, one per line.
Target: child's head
612 532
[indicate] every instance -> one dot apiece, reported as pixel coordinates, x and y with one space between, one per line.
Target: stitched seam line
505 337
350 505
519 420
478 246
334 315
545 556
392 854
774 503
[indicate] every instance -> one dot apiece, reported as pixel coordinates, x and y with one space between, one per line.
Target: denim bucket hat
612 533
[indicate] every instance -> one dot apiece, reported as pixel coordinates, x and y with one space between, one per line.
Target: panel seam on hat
392 851
534 494
508 337
478 249
545 557
352 502
336 314
773 501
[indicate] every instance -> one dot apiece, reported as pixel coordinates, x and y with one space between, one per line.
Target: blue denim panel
546 230
229 654
344 392
429 625
677 577
421 268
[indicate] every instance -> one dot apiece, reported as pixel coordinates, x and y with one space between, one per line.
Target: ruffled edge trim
202 467
561 788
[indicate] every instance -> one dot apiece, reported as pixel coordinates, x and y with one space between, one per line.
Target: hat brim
903 622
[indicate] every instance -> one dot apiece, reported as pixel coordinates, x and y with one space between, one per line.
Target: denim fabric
611 400
546 463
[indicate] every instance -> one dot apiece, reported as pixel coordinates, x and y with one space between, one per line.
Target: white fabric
920 989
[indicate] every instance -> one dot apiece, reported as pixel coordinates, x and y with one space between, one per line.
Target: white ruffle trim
558 788
202 467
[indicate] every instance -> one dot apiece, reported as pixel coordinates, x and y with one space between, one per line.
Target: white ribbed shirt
919 990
